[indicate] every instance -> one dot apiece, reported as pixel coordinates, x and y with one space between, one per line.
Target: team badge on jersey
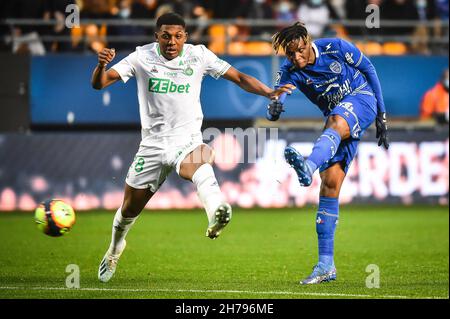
336 67
188 71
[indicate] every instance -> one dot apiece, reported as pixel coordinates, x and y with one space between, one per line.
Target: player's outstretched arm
252 85
367 68
100 77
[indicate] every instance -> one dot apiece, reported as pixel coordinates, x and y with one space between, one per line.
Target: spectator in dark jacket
56 10
399 10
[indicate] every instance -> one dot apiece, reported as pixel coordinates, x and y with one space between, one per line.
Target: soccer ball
54 217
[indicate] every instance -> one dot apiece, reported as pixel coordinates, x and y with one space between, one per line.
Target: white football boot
222 217
108 264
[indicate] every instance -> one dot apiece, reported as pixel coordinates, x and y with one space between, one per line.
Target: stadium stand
406 27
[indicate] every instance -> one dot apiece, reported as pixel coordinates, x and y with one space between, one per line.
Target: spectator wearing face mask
285 11
127 10
435 103
315 14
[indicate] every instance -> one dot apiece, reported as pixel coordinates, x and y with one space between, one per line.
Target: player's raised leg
326 221
197 168
133 203
324 149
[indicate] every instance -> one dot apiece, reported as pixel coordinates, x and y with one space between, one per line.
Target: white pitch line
225 292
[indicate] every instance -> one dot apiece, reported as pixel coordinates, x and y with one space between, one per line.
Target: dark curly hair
296 31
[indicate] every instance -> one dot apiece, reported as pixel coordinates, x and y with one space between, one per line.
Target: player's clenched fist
105 56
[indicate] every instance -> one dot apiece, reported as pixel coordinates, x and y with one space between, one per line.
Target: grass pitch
261 254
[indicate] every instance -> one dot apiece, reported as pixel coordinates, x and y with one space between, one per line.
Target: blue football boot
298 162
321 273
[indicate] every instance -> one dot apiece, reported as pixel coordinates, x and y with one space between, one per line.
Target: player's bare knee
207 155
329 187
201 155
338 124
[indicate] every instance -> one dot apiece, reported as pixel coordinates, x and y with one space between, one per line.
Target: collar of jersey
316 50
158 49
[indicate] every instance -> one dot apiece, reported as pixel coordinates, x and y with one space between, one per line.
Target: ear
156 36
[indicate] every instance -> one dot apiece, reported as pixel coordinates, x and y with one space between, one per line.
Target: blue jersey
340 69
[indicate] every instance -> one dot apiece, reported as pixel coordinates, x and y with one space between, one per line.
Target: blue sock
327 217
324 149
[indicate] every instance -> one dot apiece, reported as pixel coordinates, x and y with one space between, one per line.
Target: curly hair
282 38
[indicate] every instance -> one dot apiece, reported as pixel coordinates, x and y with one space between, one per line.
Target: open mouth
171 51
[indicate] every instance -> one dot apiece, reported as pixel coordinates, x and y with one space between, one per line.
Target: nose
298 56
171 40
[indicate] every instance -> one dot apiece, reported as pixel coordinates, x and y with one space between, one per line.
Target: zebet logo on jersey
156 85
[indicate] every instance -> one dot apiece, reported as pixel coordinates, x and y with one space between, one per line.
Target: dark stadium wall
87 169
14 92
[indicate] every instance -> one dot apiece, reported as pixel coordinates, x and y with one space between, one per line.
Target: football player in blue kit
334 75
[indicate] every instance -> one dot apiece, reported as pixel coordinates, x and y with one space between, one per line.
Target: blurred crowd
316 14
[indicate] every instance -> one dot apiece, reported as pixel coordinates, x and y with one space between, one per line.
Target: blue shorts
359 111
